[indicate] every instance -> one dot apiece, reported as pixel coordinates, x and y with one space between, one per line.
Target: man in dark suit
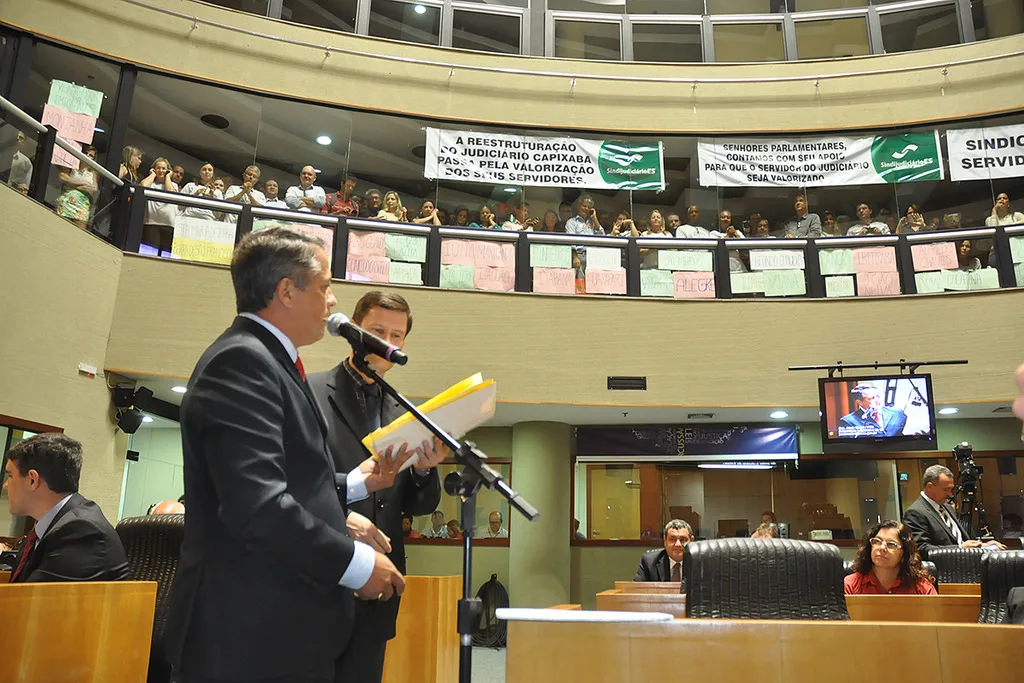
1015 606
870 417
72 540
932 520
354 407
267 571
666 564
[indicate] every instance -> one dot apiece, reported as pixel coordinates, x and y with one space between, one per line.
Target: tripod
968 506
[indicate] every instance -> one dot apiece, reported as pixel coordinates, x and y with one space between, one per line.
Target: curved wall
140 35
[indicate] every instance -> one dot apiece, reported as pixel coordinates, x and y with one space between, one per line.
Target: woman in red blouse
887 563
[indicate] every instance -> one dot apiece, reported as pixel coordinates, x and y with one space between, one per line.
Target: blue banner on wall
697 442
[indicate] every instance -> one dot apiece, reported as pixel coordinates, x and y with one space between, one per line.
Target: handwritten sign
1017 249
878 283
930 282
402 247
495 279
776 259
606 281
368 268
685 259
784 283
366 243
656 283
747 283
406 273
457 276
554 280
75 98
551 256
478 253
325 235
970 280
603 258
836 261
838 286
874 260
935 256
64 158
205 241
69 125
689 285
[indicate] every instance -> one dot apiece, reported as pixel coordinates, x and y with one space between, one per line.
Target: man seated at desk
666 564
72 540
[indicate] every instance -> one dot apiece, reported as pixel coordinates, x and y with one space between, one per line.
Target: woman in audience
453 529
624 226
655 228
428 214
79 192
549 222
393 210
829 228
887 563
486 221
158 230
912 221
461 216
963 253
763 230
131 159
1001 213
442 215
203 187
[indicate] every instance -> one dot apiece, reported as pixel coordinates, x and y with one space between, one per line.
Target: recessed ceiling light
949 411
511 189
779 415
179 389
323 140
420 9
317 171
99 130
215 121
147 419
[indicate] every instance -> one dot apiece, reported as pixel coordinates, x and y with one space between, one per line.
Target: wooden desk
959 589
946 609
761 652
5 577
426 645
671 587
82 632
617 601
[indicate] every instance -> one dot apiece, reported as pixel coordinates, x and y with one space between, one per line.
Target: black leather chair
1000 571
153 544
754 578
957 565
927 565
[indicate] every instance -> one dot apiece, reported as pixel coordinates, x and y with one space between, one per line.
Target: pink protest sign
874 260
70 126
366 243
494 279
554 280
878 284
62 157
606 281
325 235
935 256
478 253
688 285
368 268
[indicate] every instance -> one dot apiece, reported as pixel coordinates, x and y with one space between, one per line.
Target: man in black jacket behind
666 564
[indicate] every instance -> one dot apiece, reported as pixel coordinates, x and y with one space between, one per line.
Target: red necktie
302 370
29 543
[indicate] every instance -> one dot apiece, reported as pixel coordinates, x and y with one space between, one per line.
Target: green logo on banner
631 167
906 158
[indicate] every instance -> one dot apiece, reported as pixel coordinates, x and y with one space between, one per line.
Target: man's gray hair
857 393
678 525
262 259
932 474
252 167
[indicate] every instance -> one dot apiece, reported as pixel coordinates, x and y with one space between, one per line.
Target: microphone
339 325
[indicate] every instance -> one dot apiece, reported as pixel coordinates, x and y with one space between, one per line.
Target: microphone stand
465 484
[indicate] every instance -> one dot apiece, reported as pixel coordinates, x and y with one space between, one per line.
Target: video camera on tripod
970 473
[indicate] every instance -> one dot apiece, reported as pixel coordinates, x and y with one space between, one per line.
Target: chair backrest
927 565
957 565
152 544
1000 571
755 578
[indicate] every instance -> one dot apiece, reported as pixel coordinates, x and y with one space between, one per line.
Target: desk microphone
339 325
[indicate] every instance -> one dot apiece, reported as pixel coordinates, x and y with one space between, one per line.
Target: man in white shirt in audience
306 196
864 224
803 224
494 528
692 227
585 222
438 529
246 193
271 188
520 220
727 231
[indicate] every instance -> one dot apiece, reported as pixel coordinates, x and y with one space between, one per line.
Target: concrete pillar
539 571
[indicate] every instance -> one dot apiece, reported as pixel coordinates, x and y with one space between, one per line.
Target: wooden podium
425 648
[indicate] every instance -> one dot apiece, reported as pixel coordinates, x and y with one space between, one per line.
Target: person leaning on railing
202 187
912 221
1002 214
158 230
655 228
887 562
486 221
393 210
80 187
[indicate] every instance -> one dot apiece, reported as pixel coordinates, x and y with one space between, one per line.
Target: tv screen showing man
880 408
870 416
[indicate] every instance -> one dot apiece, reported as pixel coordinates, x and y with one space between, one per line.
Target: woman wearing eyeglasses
912 221
887 563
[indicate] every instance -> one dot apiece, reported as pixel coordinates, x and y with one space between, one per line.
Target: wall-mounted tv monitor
877 413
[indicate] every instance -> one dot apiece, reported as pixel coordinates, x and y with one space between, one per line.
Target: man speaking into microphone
355 406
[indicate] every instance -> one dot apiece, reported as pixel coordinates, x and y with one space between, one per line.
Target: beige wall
139 35
59 287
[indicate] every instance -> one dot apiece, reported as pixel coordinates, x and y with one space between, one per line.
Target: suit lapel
938 518
342 398
664 568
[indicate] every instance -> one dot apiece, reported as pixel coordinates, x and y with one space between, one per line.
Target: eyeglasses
891 546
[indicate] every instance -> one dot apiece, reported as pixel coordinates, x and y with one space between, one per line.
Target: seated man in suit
1015 606
72 540
870 417
932 520
666 564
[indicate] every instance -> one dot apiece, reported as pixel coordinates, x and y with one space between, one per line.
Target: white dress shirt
315 192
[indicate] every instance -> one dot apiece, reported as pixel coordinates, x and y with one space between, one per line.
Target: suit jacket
654 566
79 545
893 421
927 527
256 594
1015 606
335 391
